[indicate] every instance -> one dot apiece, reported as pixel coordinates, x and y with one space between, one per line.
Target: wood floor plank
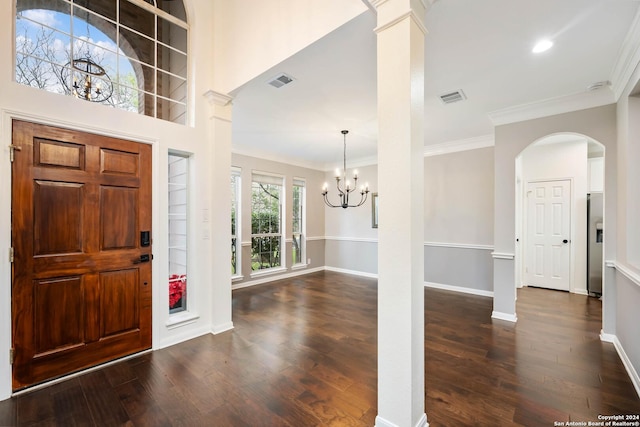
304 353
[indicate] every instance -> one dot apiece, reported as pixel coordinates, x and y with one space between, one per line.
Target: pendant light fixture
345 188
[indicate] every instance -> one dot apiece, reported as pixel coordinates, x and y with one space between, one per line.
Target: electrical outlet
308 260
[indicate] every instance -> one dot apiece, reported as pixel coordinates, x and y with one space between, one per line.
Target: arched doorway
557 178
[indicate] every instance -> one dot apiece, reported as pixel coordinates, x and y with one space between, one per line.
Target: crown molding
553 106
460 145
628 58
217 98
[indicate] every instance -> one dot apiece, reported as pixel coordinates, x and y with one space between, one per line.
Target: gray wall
459 220
458 224
314 215
623 317
464 269
511 139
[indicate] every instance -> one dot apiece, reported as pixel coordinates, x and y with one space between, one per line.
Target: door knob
565 241
143 258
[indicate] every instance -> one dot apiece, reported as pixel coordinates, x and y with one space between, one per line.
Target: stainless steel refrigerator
594 243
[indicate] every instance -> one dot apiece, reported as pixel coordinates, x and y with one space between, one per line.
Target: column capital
217 98
220 104
391 12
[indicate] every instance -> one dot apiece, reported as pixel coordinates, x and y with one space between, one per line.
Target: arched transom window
128 54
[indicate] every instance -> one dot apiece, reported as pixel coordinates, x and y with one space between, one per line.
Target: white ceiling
482 47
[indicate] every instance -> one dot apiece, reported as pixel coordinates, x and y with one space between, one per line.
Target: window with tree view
298 221
235 216
128 54
266 221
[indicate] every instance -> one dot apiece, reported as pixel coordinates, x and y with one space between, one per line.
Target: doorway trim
520 209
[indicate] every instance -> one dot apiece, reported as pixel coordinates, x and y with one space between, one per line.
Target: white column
401 35
219 206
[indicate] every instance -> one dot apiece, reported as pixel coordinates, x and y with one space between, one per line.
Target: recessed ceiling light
542 45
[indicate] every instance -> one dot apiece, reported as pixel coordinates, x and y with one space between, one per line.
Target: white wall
545 161
30 104
245 43
459 197
351 222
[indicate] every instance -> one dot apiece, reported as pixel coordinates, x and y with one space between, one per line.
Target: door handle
143 258
565 241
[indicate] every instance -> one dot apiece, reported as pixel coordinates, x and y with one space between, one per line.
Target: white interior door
548 235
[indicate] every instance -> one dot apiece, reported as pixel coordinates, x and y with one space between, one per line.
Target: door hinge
12 355
12 150
10 254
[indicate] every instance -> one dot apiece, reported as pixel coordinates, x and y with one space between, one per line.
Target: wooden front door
81 279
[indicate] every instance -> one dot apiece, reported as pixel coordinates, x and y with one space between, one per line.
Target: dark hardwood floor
303 353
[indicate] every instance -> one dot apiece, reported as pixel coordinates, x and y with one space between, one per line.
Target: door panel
68 295
548 254
57 217
119 290
80 295
119 215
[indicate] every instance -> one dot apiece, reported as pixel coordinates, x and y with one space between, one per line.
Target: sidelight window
178 226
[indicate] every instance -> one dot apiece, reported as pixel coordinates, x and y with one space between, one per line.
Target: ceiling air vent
280 80
451 97
598 85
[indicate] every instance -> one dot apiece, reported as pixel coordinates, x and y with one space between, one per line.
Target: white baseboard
223 327
581 292
275 277
504 316
354 272
180 336
633 374
381 422
459 289
607 337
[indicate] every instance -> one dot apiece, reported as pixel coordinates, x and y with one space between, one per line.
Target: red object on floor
177 288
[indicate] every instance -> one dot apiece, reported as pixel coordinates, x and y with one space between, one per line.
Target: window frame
301 233
236 204
269 179
173 248
165 99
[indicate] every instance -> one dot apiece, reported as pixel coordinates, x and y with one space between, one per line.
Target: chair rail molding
503 255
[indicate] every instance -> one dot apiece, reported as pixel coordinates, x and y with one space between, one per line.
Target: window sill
299 266
237 278
268 271
181 319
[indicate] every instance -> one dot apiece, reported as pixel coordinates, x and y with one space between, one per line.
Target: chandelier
90 81
345 189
